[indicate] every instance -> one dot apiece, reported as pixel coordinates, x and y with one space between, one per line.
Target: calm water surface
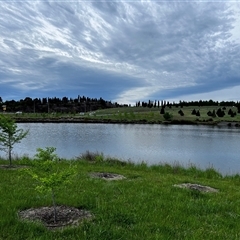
203 146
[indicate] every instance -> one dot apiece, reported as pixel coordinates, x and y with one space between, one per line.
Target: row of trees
220 112
199 103
65 104
85 104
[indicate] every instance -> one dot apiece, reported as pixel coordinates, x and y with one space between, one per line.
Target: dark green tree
209 113
230 112
194 112
162 110
181 112
220 112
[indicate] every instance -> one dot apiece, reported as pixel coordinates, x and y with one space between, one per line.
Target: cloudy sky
124 51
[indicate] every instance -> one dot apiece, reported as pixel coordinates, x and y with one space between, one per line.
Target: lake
203 146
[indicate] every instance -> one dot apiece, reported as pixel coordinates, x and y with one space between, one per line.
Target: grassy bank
145 205
136 115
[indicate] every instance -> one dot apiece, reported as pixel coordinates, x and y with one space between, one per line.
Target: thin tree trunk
9 149
10 156
54 206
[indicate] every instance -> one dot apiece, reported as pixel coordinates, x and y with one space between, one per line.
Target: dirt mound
197 187
107 176
66 216
12 167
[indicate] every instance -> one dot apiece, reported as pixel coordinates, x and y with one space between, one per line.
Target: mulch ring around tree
197 187
12 167
66 216
107 176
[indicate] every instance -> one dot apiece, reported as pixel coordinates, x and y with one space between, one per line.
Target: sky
123 51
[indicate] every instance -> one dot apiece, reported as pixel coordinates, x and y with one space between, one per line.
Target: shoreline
111 121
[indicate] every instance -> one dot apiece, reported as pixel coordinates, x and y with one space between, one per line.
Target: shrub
167 116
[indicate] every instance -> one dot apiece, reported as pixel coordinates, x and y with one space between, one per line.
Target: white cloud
148 49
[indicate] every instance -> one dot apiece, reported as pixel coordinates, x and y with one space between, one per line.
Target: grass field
145 114
145 205
153 114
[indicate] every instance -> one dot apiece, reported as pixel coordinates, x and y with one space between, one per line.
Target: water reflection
203 146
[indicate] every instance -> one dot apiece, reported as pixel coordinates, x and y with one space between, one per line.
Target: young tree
47 173
9 135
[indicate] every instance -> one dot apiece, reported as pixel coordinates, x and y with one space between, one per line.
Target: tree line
86 104
200 103
63 105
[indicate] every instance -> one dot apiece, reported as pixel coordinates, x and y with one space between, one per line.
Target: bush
167 116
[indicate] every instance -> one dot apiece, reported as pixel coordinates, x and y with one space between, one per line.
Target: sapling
9 135
47 173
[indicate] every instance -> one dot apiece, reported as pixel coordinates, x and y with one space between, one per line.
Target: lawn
144 205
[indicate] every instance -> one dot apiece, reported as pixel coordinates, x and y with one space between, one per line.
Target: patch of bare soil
107 176
12 167
197 187
66 216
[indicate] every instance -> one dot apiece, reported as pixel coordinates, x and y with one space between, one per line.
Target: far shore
112 121
205 115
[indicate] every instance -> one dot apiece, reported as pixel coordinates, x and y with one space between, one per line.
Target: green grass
143 206
141 114
153 114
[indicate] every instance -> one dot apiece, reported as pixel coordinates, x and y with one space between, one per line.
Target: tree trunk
9 149
54 206
10 156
